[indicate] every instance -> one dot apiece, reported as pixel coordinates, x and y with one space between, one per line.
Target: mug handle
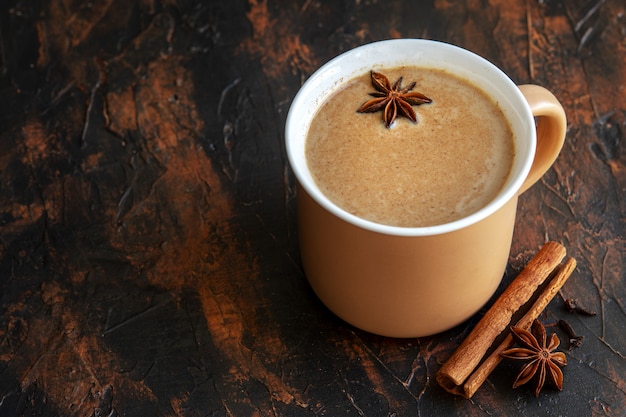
551 124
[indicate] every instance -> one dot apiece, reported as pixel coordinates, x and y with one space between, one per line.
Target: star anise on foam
393 99
541 360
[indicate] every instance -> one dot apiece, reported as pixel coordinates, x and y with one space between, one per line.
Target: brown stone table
148 252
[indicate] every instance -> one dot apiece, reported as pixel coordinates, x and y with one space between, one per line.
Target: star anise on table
393 100
542 362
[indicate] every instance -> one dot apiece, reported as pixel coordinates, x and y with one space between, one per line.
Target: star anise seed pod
541 359
393 99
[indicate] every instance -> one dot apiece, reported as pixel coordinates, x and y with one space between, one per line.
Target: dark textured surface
148 257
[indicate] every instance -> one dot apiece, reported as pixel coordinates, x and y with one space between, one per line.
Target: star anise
541 359
393 99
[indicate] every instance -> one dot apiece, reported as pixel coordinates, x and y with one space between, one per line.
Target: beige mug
416 281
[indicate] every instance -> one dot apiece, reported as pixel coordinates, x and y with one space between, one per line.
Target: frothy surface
450 164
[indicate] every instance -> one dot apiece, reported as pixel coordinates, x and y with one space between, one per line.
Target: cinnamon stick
469 354
481 373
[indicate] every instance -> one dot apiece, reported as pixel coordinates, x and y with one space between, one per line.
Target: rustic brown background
148 255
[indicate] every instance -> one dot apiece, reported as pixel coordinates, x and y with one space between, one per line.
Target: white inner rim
397 52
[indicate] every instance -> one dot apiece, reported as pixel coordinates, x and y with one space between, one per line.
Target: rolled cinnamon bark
469 354
481 373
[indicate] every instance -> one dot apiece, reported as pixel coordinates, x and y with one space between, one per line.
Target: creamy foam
450 164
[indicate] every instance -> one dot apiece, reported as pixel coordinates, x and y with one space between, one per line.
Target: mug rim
462 62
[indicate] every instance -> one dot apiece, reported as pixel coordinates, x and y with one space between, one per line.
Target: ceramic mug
416 281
